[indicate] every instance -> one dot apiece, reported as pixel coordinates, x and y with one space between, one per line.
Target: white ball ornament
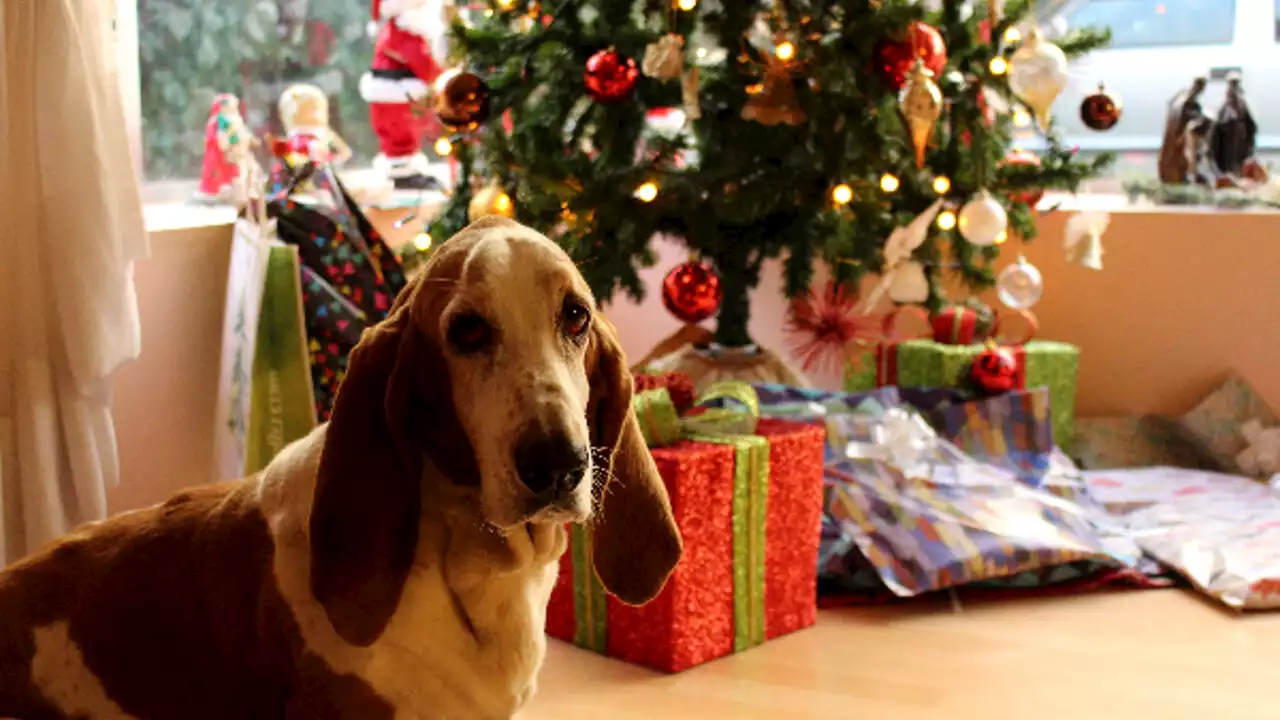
1037 74
982 220
1020 285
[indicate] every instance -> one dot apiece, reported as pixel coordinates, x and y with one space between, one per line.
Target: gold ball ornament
1037 75
982 220
920 103
490 200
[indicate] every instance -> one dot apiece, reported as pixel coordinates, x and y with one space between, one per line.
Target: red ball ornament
894 57
692 292
1028 196
1100 110
994 370
609 77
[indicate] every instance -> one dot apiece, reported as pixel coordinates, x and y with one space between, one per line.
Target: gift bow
662 425
899 437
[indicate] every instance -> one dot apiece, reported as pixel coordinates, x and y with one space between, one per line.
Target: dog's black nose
550 465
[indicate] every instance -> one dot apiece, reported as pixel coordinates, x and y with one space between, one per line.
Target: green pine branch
737 192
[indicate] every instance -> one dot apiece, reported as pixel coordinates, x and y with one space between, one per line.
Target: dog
396 562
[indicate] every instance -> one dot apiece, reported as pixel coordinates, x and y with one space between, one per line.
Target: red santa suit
400 75
222 133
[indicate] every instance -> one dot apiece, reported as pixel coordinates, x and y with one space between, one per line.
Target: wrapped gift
931 364
1218 422
1220 531
927 517
1138 441
747 496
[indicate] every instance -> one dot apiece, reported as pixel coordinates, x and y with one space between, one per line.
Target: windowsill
169 216
166 210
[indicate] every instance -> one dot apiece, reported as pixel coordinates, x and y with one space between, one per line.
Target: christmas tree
815 128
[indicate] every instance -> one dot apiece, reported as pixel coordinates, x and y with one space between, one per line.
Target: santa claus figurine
397 85
226 147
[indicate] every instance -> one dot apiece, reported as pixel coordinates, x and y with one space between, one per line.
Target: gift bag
350 276
264 396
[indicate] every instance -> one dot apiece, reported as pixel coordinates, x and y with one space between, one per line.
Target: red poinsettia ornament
692 292
821 327
995 370
609 77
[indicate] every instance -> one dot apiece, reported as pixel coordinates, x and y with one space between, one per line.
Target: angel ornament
226 150
1083 241
773 101
904 280
664 59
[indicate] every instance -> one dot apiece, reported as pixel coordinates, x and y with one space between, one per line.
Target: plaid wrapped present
928 517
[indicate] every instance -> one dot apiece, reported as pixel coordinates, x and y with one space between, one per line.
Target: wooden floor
1148 655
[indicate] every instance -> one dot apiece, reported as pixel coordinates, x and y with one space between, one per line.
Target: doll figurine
304 112
226 148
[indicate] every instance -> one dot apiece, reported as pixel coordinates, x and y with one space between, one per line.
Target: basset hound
394 564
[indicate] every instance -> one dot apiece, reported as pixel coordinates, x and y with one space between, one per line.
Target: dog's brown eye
469 333
576 318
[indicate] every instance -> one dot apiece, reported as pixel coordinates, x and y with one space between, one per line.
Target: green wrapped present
926 363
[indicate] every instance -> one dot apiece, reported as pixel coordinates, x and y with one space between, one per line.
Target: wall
1183 300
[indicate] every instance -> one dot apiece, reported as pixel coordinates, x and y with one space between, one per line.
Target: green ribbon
732 424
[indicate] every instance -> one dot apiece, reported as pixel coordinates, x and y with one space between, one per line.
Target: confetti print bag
349 275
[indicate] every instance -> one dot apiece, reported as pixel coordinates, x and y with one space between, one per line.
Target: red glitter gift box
749 508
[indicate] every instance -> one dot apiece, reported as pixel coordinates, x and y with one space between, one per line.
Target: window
1156 23
185 52
191 50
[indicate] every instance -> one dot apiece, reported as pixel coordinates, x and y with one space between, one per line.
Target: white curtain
70 229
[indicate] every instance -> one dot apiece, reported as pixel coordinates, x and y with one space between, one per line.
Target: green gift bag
265 398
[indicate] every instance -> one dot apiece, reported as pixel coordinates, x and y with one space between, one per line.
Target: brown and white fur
395 563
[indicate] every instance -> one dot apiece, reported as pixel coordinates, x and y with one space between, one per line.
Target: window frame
1069 10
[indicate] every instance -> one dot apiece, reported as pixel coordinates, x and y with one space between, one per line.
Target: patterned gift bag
352 276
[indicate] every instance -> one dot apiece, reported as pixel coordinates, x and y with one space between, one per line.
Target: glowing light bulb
841 194
889 182
701 53
942 184
755 89
785 50
502 204
422 242
998 66
686 5
647 192
443 146
506 4
946 220
1004 235
488 12
1021 118
1012 36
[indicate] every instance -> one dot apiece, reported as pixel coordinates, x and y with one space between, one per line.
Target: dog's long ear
364 514
367 503
636 542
